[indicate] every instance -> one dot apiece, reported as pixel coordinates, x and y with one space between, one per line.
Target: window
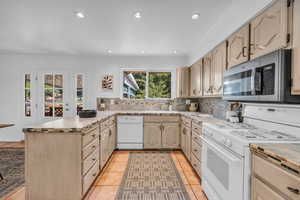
53 95
79 92
143 84
159 85
27 96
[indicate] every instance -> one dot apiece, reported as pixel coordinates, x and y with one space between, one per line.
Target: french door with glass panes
60 95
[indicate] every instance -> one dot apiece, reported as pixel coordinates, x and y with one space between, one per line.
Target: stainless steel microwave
264 79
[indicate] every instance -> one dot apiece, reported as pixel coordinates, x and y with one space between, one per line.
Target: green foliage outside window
159 85
140 79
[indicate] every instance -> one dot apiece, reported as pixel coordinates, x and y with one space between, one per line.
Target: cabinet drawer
89 178
110 121
152 118
196 138
90 148
261 191
284 181
196 165
196 149
197 128
186 121
90 136
90 161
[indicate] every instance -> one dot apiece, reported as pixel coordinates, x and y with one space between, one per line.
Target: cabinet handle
293 190
109 133
94 147
244 51
94 174
195 150
94 135
94 159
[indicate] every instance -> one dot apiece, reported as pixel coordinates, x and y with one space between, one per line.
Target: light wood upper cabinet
296 49
196 79
269 30
218 66
170 135
183 81
207 78
152 135
238 47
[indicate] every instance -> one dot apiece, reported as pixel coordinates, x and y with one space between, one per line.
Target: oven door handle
231 157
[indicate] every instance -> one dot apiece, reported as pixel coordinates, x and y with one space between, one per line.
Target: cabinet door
296 49
178 82
185 82
218 66
269 30
183 139
170 135
104 146
238 47
207 90
260 191
196 79
186 141
152 135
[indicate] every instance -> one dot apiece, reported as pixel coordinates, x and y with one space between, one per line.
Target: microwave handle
258 81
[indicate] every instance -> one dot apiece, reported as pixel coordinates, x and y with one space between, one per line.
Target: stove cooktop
260 134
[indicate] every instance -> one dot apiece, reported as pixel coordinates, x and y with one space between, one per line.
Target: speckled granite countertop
76 124
286 154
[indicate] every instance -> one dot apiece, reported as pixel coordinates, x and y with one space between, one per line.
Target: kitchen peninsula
69 153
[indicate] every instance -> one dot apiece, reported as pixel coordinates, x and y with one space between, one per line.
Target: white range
226 156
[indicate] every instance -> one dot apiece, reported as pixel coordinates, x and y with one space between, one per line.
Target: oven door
223 171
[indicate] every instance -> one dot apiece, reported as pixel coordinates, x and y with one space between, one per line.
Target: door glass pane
59 110
79 81
49 95
59 81
58 96
48 110
79 92
48 81
27 96
27 81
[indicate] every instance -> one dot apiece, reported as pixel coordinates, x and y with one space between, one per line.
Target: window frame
147 71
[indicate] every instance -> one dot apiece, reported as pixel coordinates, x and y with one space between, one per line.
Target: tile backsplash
140 105
215 106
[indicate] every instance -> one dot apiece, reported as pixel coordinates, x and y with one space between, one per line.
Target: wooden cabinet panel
238 47
170 135
269 30
260 191
296 49
152 135
104 146
218 66
196 79
186 141
207 79
183 81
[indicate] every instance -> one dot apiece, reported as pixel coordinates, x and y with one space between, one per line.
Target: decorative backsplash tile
215 106
140 105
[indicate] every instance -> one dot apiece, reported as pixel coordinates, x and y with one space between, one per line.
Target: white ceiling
50 26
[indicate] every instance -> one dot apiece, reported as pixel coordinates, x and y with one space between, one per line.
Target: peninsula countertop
286 154
76 124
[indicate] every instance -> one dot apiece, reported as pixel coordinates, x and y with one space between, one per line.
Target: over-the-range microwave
264 79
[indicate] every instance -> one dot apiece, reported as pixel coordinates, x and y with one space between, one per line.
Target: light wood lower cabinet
261 191
61 165
152 135
161 135
186 141
272 181
269 30
170 135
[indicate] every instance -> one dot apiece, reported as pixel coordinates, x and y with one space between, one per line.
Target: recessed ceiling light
142 52
80 15
175 52
195 16
109 51
138 15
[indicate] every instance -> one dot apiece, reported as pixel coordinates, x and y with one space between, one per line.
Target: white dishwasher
130 132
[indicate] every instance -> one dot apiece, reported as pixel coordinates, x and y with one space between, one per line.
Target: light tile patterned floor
106 186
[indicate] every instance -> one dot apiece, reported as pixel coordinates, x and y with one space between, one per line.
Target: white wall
12 67
240 12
